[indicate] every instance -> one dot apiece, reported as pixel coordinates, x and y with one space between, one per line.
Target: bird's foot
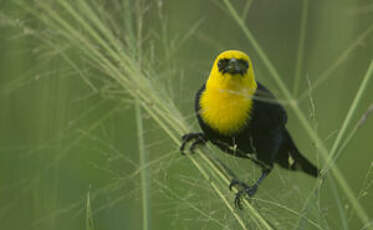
243 190
199 138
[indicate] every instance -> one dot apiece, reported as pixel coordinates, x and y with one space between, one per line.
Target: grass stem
300 53
145 170
349 115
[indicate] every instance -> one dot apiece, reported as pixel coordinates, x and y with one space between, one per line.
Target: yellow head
232 70
227 100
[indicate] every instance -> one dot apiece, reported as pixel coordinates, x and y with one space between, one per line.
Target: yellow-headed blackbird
243 118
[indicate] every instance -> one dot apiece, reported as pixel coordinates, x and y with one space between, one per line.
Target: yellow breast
225 111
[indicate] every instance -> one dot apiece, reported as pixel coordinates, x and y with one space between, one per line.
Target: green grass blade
145 186
300 53
340 205
339 61
352 133
349 115
89 214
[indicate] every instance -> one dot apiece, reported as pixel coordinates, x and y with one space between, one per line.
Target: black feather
264 138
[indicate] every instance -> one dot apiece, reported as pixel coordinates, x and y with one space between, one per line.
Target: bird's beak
235 67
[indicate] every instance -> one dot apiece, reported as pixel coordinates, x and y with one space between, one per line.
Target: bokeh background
69 151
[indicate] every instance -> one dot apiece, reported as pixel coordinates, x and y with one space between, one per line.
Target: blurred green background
64 143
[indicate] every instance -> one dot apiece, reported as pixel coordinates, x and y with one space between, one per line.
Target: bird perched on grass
243 118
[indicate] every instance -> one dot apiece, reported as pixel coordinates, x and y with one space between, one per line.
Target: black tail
289 157
305 165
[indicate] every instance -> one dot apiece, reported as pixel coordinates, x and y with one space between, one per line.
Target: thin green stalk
113 53
128 22
231 209
352 133
300 53
341 58
191 205
139 5
145 183
335 170
306 205
89 214
293 104
349 115
289 210
246 9
340 206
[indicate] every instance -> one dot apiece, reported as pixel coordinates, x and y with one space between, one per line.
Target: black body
264 139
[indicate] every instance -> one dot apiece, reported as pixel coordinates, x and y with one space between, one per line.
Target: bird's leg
246 189
199 138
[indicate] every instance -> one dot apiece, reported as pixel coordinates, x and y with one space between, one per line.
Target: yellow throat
226 101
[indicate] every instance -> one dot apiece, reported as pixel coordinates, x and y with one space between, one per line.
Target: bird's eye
244 63
221 64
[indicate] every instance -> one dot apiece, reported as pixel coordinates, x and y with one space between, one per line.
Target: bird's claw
198 138
237 200
246 189
235 182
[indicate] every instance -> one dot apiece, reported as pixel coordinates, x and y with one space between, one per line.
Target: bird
243 118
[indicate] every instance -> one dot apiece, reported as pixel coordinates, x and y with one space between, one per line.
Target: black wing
267 112
197 107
